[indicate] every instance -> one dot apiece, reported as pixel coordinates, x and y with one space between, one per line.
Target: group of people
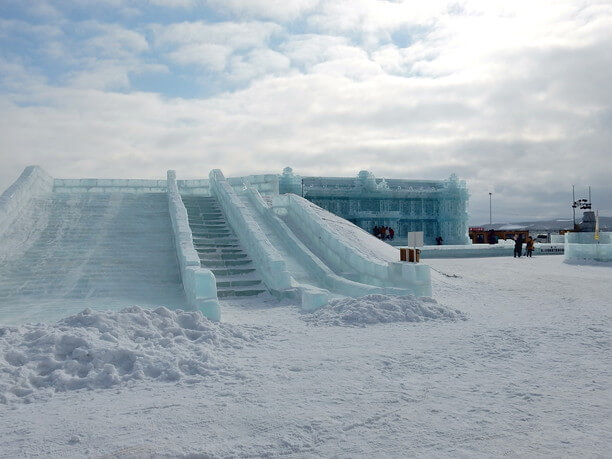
383 232
518 246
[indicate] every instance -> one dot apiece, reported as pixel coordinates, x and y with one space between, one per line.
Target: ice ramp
350 252
65 252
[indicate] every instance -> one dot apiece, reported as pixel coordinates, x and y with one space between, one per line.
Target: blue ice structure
184 244
588 246
436 207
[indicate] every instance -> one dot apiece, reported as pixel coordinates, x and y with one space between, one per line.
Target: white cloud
234 35
257 63
278 10
112 41
211 56
515 96
308 50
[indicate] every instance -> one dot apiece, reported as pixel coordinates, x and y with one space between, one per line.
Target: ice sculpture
436 207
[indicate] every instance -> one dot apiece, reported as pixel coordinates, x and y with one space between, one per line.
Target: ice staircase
220 250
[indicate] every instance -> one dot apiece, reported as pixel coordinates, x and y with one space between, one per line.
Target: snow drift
97 350
373 309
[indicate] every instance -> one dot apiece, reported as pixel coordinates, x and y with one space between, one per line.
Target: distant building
436 207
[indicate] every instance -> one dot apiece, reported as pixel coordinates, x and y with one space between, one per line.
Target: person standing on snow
518 245
529 247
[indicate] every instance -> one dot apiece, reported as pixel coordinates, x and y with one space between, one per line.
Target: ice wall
270 263
584 247
199 283
33 181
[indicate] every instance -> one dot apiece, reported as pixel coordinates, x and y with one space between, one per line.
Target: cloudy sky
514 97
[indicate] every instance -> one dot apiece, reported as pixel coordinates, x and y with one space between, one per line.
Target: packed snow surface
374 309
99 350
528 375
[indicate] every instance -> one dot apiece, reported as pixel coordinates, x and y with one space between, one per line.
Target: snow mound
97 350
374 309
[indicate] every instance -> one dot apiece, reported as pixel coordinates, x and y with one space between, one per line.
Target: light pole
490 213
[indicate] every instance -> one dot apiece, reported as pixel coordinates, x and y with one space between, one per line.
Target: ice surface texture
94 350
374 309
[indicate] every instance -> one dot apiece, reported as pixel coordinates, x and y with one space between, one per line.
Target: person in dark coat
518 246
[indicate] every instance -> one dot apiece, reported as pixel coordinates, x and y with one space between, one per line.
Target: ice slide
68 251
304 249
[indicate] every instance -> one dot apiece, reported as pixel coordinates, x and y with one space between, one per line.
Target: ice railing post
199 283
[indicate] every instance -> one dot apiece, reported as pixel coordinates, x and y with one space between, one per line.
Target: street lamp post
490 213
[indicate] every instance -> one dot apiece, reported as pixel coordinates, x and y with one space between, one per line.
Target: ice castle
185 244
436 207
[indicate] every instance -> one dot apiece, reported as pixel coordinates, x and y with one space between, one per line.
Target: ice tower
436 207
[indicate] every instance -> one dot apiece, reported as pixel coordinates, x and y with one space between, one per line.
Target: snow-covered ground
512 359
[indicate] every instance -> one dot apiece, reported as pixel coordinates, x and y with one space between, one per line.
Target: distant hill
605 224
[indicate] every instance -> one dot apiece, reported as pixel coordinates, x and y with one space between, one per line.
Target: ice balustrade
344 257
270 263
583 246
32 182
199 283
92 185
312 297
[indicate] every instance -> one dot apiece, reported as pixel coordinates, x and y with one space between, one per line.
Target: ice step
210 234
238 283
221 256
223 263
223 293
212 242
209 227
219 249
218 272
